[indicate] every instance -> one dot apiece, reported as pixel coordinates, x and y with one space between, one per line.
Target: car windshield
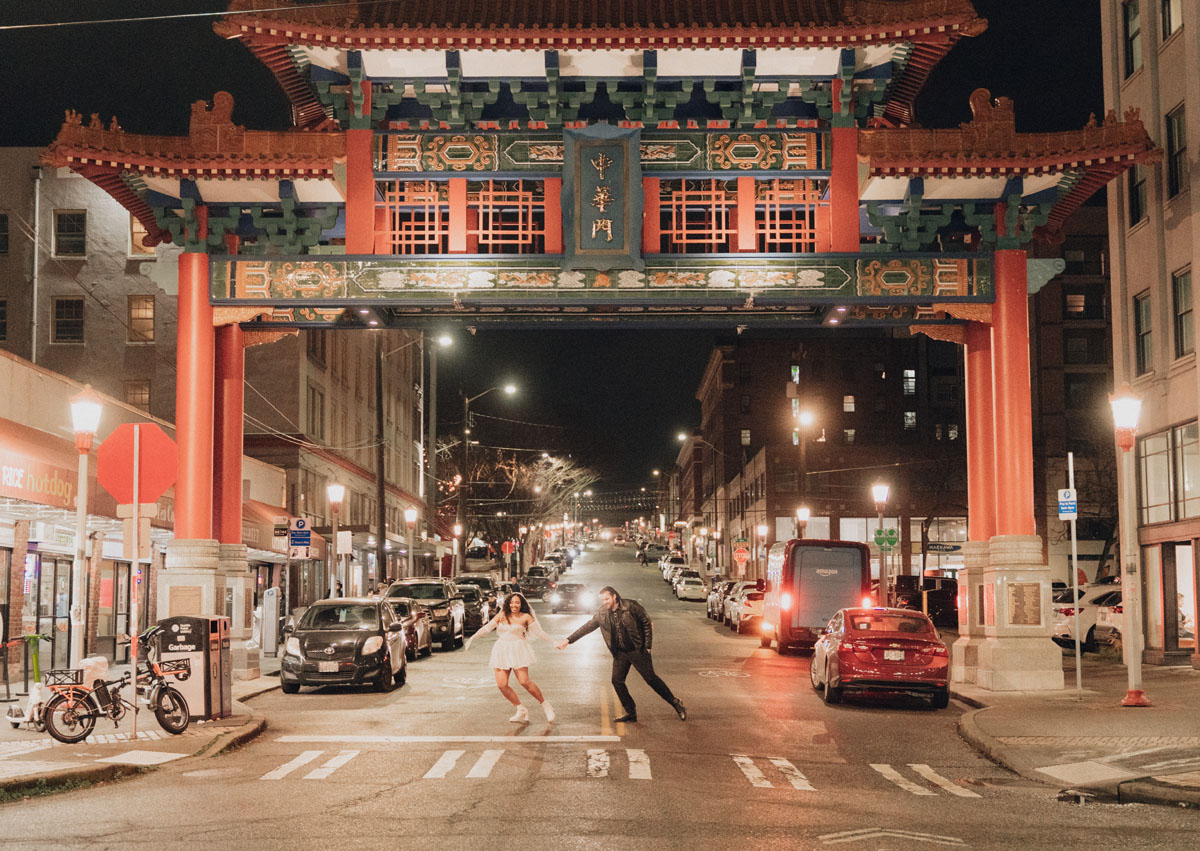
692 582
470 592
419 591
1065 596
677 560
570 589
344 616
889 623
476 581
401 609
536 571
689 573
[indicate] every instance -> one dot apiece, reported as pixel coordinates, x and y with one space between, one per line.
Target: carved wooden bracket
963 310
236 315
261 338
949 333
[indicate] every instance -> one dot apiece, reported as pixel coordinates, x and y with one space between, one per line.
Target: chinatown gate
617 168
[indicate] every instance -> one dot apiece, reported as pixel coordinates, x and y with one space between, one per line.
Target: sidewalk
1095 748
33 763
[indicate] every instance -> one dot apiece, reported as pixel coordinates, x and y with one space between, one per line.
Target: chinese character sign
602 199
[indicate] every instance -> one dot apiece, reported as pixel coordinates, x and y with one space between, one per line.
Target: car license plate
893 655
327 667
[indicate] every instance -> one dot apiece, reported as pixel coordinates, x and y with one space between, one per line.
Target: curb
71 778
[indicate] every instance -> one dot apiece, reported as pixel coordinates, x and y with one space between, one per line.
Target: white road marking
597 763
938 780
793 774
288 767
880 832
483 767
444 765
752 772
639 764
143 757
895 776
333 765
426 740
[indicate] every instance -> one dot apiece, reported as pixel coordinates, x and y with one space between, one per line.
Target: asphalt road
761 762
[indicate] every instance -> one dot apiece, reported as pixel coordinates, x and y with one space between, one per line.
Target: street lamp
85 420
804 419
410 520
762 540
336 493
1126 408
509 390
717 547
879 492
803 513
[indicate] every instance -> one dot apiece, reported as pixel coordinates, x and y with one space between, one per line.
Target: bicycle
70 715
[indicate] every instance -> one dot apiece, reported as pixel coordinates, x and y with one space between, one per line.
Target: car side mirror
396 627
288 629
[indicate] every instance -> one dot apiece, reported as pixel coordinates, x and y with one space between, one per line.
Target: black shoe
627 717
680 710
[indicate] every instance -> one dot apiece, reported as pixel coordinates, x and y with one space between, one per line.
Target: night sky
618 397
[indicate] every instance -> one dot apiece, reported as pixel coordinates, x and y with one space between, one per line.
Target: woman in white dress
512 653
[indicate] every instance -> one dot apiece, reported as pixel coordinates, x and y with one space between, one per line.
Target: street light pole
1126 408
85 419
509 389
880 491
410 520
380 468
336 494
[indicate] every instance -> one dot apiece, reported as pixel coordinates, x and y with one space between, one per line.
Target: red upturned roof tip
538 24
215 147
989 145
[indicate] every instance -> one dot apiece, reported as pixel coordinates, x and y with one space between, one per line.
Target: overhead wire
188 15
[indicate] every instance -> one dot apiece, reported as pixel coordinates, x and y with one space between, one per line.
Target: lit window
848 435
952 432
70 233
848 404
137 393
141 319
137 233
68 320
910 420
1181 292
745 437
910 382
1177 161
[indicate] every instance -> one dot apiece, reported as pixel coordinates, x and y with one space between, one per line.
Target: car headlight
586 600
372 645
556 598
442 612
292 646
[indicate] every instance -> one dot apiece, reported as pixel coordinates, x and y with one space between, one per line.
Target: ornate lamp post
85 419
410 520
336 493
879 492
1126 408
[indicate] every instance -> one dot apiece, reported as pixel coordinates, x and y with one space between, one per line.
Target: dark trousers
639 659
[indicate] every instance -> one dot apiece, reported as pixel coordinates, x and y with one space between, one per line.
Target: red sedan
881 650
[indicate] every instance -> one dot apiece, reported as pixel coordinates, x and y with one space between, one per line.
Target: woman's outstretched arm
487 627
537 630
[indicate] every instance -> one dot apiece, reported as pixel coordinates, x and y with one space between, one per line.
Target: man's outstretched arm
590 626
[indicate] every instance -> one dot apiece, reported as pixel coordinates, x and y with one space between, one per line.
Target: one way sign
1068 505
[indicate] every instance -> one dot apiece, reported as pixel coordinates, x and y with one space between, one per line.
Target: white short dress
512 648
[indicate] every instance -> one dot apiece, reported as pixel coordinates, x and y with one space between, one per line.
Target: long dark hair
507 612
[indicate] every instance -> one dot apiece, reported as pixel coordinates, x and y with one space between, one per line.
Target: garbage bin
204 642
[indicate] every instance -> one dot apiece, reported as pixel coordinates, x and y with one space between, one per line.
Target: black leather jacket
627 628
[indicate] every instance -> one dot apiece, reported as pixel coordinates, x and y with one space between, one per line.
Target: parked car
502 591
346 641
547 569
447 614
716 598
418 633
881 649
691 588
476 609
941 597
572 597
743 586
535 586
618 541
747 612
686 573
1064 604
669 563
1110 619
485 582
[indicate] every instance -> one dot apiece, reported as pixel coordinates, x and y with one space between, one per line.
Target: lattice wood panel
697 216
416 218
506 216
786 215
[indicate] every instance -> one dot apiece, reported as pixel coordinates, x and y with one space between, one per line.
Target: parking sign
1068 504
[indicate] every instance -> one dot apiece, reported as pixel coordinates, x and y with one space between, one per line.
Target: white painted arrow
881 832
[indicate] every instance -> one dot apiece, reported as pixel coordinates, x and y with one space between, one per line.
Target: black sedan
572 597
476 608
354 641
535 586
418 633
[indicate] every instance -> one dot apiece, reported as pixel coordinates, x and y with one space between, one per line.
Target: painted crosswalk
760 772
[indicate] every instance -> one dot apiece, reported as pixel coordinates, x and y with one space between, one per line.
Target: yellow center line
605 726
618 711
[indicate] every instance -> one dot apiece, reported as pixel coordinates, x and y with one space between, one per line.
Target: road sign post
1068 510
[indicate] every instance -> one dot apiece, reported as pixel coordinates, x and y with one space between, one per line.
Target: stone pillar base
1016 653
237 606
191 582
964 653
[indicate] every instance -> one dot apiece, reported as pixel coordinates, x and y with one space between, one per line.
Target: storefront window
1154 456
1185 596
1187 470
1152 570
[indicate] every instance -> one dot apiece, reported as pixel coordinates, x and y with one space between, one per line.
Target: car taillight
1118 610
1067 612
940 651
785 602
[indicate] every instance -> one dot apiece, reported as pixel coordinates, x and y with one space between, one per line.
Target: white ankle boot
521 716
549 710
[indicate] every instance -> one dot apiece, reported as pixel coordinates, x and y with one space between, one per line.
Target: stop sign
156 463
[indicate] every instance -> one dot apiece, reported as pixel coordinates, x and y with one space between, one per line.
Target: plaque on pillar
1025 604
602 198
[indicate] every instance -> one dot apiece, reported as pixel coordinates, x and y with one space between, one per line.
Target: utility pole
380 467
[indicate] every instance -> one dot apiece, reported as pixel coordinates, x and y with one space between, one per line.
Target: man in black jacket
629 633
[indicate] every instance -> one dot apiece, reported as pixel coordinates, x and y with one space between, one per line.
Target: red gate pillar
981 459
1013 412
194 401
360 192
227 447
843 182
